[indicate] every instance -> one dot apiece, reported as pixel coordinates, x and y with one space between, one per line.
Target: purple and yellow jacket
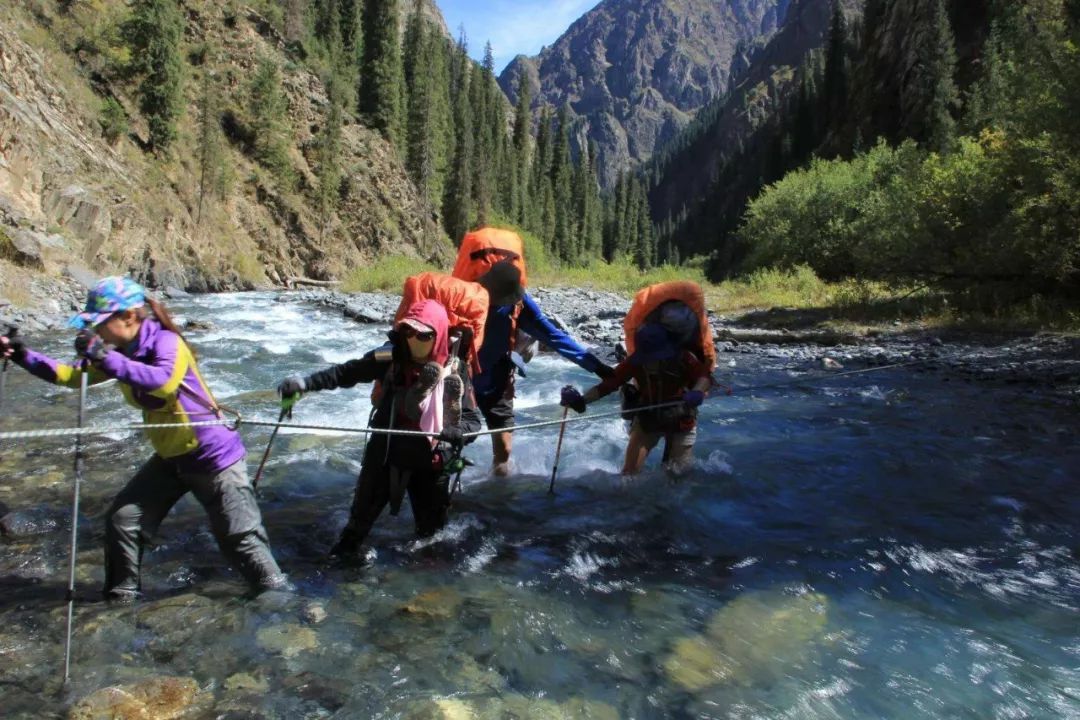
157 374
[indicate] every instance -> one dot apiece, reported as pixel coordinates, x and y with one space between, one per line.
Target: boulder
437 604
26 523
287 640
81 212
160 698
23 247
754 639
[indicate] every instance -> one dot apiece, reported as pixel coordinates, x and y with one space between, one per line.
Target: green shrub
385 274
113 120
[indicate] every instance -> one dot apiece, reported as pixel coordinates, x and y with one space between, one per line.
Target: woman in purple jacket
126 336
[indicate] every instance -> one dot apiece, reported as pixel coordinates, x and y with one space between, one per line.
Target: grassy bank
778 298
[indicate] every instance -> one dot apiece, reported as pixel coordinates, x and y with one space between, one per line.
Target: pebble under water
889 545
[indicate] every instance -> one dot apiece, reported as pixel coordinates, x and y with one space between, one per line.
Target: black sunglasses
421 336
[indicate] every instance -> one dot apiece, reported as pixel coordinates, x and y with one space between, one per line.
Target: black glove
571 398
90 346
11 346
454 436
290 389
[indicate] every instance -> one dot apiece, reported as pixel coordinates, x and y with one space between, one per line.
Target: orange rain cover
466 304
652 297
480 249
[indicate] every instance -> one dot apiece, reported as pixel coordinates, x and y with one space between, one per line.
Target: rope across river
239 422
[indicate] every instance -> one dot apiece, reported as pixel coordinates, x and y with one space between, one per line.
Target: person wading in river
420 389
494 258
127 336
671 360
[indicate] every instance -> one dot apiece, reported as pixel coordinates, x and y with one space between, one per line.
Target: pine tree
458 192
381 85
522 146
835 90
268 111
349 17
420 161
211 147
563 241
328 146
154 34
483 144
938 81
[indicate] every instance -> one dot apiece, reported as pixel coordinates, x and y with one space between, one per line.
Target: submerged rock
161 698
752 639
287 640
26 523
437 604
518 707
314 613
246 682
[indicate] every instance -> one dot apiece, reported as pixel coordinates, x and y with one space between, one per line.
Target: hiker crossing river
892 544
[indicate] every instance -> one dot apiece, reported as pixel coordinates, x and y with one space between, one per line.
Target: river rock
313 613
26 523
287 640
752 639
441 709
437 604
246 682
160 698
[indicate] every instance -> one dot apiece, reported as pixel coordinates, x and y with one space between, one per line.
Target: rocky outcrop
637 71
68 196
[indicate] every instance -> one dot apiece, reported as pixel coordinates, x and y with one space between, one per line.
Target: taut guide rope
241 422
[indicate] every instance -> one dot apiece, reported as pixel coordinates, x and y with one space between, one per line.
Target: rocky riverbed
595 318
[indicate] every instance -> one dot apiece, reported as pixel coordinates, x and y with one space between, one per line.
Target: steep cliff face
636 71
70 197
683 177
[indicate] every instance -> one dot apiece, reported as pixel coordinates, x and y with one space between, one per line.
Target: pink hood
433 314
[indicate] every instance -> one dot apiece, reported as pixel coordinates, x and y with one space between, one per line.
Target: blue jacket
495 364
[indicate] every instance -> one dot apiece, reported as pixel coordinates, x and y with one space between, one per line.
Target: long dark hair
161 313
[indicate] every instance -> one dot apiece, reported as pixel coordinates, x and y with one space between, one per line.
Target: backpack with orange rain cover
480 249
648 300
466 305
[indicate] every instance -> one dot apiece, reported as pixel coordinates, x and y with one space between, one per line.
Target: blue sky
512 26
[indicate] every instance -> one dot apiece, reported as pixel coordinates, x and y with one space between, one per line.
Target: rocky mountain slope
636 71
70 198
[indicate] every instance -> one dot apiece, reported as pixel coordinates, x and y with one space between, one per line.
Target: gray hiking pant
229 500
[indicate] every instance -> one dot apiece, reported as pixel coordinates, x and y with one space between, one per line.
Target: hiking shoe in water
421 389
120 596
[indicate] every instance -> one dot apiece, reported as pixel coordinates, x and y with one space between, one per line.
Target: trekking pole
558 452
286 412
83 383
12 330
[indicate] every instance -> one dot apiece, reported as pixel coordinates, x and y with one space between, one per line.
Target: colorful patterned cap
111 295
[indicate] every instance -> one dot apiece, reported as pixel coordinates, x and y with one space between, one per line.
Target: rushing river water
893 545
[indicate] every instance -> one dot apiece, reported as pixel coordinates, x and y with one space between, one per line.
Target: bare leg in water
500 449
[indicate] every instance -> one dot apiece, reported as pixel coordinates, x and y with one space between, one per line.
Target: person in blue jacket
510 309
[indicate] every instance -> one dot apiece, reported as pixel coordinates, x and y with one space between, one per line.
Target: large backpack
466 305
679 306
480 249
